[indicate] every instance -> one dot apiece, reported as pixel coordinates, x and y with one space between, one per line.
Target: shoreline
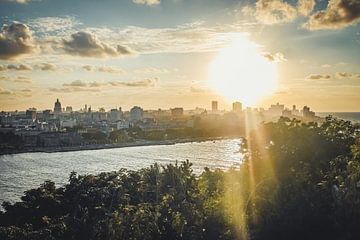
139 143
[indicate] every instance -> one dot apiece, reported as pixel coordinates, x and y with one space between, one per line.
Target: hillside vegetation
297 181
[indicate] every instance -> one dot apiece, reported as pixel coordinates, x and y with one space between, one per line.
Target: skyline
168 53
213 106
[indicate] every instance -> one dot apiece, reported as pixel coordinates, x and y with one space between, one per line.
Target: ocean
349 116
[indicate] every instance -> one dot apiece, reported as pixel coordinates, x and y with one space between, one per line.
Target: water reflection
24 171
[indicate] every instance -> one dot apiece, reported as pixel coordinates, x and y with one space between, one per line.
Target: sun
240 72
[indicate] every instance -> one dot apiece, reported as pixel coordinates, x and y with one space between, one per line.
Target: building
276 110
295 111
136 114
287 113
307 114
57 107
122 124
68 109
31 113
69 123
214 106
115 115
46 114
177 112
237 107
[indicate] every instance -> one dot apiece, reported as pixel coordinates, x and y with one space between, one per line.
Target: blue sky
159 53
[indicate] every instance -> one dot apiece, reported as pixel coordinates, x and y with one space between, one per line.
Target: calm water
21 172
350 116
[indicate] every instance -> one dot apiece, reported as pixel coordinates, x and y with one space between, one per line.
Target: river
20 172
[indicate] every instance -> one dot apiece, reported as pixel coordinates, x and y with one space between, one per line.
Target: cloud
277 57
15 40
3 68
342 64
96 84
318 77
46 66
73 89
58 25
5 92
341 75
24 1
193 37
104 69
305 7
278 11
70 89
147 2
338 14
110 69
58 35
140 83
151 70
88 68
198 90
274 11
21 67
26 90
81 86
122 50
326 66
88 45
21 79
76 83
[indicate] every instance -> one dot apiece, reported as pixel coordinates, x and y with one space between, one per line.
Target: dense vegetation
298 181
8 140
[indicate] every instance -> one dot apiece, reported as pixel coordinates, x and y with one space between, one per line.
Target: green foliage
9 140
297 181
95 137
117 136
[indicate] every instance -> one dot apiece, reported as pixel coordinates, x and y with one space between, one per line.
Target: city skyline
213 106
171 53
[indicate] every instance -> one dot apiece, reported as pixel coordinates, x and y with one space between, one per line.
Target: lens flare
241 72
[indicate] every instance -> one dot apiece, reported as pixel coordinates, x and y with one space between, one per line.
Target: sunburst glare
240 72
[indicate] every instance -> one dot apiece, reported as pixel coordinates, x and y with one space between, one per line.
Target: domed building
57 107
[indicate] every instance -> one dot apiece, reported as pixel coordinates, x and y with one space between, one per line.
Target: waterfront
20 172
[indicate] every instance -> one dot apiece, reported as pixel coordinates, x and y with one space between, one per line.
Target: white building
121 124
115 115
136 114
70 123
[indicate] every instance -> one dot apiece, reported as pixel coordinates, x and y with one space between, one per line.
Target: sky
180 53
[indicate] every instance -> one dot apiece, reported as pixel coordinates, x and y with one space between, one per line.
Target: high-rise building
295 111
237 107
214 106
115 115
57 107
46 114
31 113
307 113
276 109
136 114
